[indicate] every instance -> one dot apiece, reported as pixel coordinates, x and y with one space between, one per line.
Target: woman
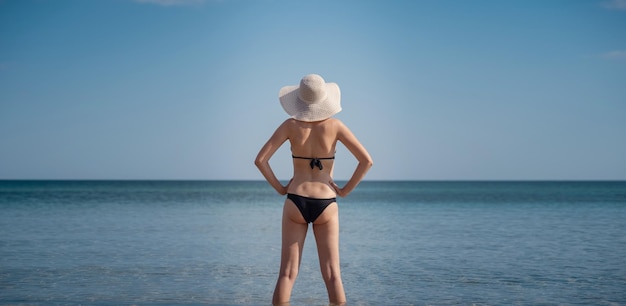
311 193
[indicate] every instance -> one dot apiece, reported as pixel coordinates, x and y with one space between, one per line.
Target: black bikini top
315 161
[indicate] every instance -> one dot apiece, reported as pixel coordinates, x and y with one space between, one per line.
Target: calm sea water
402 243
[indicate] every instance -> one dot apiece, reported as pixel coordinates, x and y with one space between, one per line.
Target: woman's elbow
368 163
259 162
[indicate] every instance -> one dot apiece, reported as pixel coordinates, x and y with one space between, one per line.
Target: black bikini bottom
310 208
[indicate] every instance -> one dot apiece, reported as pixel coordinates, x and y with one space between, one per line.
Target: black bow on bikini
316 162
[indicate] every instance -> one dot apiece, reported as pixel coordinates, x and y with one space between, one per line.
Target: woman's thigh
294 230
326 230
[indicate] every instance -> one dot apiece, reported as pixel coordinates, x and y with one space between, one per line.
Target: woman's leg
326 229
293 233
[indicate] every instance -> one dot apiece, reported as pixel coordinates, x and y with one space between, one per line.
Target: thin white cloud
615 4
615 55
172 2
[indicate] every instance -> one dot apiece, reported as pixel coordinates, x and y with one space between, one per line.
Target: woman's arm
360 153
262 160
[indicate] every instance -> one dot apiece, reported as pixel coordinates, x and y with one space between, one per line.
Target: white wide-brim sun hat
312 100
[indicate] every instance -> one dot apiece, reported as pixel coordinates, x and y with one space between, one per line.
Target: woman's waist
312 188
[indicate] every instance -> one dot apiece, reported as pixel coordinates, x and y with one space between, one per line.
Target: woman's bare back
313 145
313 140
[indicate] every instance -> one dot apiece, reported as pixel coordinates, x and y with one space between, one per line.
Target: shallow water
402 243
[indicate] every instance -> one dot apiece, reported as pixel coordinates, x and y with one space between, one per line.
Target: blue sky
436 90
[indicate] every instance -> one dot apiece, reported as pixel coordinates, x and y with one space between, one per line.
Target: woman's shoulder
336 123
288 123
333 121
330 122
